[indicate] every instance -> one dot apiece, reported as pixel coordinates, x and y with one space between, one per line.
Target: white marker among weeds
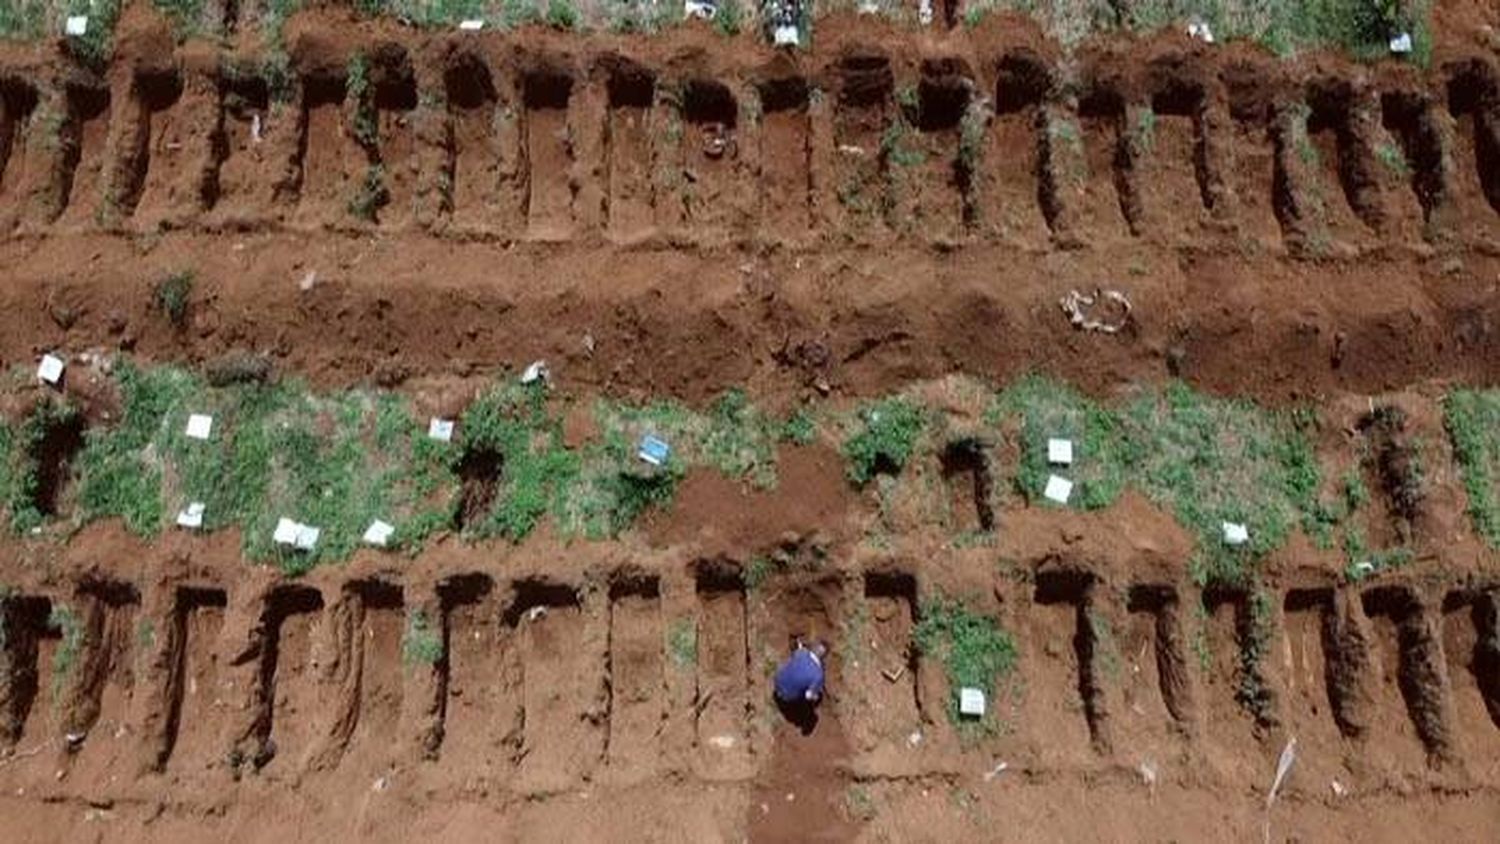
296 535
379 533
1060 451
1059 489
1235 535
76 25
50 370
191 516
200 426
971 702
440 429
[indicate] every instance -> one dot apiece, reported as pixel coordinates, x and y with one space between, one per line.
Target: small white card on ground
971 702
786 36
653 450
379 533
471 25
50 369
1060 451
307 537
1236 534
1059 489
191 516
440 429
200 426
286 532
76 25
1401 44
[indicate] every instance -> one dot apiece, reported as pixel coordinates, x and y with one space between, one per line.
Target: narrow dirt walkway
801 796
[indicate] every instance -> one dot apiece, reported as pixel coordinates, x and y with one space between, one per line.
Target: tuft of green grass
758 571
729 18
1251 691
562 14
65 620
371 195
886 440
974 650
358 89
186 16
800 428
895 144
514 13
1394 159
1145 129
421 643
859 803
682 642
172 295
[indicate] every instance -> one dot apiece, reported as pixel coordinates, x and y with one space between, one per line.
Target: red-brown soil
558 196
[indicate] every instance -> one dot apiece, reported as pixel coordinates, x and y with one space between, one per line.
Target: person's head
819 648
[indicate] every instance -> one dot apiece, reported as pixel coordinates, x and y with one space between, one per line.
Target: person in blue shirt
799 684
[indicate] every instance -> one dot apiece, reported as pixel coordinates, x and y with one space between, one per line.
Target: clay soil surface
679 215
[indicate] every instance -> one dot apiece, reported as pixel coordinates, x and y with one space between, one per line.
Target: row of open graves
537 684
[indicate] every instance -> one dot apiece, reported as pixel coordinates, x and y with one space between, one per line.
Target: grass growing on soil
1472 418
421 644
1361 27
339 461
1040 409
172 294
23 478
682 642
884 442
974 650
1214 460
65 659
24 19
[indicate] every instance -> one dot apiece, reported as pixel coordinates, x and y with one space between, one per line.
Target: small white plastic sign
1060 452
286 532
1200 31
971 702
537 371
200 426
297 535
51 369
471 25
76 25
653 450
307 537
1235 534
379 533
1059 489
1401 44
786 35
192 516
440 429
699 9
